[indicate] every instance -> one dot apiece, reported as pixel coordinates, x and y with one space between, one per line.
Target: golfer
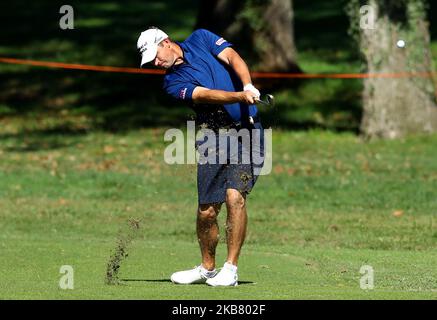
206 72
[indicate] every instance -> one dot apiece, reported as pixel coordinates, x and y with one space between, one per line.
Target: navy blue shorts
237 162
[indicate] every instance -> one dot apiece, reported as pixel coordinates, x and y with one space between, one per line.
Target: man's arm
233 59
204 95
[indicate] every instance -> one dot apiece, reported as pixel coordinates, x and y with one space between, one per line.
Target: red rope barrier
258 75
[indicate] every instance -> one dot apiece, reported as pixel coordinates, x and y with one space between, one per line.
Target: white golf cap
148 42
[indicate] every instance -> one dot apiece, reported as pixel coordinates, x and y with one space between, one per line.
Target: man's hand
247 97
251 88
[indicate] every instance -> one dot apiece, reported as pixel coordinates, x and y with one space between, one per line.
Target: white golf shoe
227 277
197 275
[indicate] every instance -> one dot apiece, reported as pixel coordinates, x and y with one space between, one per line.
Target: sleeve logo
183 93
220 41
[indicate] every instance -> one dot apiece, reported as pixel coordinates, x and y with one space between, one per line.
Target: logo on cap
143 47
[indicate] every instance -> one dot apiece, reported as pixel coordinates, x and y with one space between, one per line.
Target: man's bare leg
208 233
236 224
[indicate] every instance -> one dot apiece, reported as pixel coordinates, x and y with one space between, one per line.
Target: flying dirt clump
127 233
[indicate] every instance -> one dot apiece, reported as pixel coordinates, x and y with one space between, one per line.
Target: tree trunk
276 39
396 107
219 16
262 31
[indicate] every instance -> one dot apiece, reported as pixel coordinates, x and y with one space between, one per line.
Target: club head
269 101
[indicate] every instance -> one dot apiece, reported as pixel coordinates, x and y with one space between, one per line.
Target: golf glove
251 88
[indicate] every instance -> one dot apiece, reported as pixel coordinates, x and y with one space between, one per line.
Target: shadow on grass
321 104
37 146
169 281
113 101
62 130
30 142
105 34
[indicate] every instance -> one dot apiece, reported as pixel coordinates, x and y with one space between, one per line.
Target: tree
262 30
396 107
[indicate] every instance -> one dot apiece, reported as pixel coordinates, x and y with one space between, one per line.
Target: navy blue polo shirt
202 68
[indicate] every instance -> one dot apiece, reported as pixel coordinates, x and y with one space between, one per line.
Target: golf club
269 101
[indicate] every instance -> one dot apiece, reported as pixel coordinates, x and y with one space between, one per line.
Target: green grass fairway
331 205
267 272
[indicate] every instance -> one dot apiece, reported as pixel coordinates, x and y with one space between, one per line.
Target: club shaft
263 102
